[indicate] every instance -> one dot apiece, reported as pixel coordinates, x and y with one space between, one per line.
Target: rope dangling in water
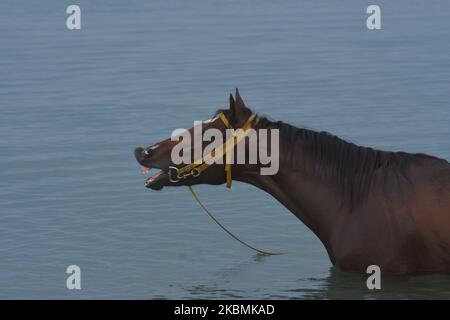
264 252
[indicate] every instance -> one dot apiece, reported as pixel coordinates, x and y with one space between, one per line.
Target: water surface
74 104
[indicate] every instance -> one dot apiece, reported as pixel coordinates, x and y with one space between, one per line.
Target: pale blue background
74 104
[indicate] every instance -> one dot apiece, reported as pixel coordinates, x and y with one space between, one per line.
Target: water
74 104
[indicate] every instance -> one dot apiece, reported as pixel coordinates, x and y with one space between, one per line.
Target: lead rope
264 252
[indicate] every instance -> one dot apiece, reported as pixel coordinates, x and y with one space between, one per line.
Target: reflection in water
344 285
337 285
219 289
205 292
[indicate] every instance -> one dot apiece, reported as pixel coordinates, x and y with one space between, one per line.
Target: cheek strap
197 167
227 165
236 139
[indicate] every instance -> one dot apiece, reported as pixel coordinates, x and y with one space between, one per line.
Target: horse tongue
157 175
153 178
144 169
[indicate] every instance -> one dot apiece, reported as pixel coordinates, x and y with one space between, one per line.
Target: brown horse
368 207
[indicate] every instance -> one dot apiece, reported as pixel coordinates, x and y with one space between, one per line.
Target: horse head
182 161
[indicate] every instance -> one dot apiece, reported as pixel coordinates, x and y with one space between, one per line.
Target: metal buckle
169 173
195 172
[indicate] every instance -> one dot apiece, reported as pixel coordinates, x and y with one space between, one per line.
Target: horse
367 206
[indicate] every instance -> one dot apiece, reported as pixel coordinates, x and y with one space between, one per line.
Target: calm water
74 104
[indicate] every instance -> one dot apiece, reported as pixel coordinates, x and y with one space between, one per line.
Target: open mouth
155 181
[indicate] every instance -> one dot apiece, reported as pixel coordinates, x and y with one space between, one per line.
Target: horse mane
352 167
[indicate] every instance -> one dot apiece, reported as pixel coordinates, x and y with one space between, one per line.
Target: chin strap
197 167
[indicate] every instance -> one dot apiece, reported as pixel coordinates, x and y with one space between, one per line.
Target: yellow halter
197 167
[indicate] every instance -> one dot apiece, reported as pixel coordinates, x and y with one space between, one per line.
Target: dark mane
352 167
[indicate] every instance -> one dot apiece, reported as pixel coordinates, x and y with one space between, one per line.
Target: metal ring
169 172
195 172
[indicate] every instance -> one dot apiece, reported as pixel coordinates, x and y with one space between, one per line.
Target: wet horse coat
367 206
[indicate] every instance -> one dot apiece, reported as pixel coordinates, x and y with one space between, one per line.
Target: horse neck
301 191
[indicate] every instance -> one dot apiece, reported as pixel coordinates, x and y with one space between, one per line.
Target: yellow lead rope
267 253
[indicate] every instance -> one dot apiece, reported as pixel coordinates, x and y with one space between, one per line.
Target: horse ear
239 102
239 111
232 103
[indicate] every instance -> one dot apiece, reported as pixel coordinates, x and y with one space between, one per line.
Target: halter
197 167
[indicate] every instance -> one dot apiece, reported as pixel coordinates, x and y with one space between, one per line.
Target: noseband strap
197 167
